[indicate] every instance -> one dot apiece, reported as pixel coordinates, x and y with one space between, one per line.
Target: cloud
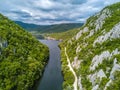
52 11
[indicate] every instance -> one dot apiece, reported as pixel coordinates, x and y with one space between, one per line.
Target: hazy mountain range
49 28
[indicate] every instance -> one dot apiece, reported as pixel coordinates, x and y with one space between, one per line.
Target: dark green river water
52 77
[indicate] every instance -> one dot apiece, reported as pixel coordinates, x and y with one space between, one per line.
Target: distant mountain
26 25
49 28
91 58
59 28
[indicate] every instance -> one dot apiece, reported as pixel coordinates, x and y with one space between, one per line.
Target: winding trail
71 69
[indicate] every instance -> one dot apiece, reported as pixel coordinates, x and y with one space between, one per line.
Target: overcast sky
52 11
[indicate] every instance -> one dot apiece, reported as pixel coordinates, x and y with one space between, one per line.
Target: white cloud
45 4
52 11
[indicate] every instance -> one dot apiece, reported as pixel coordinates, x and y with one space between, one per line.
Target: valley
61 56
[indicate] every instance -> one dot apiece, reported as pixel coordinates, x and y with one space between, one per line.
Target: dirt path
72 70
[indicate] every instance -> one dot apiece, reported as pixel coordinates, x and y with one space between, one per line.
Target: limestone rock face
96 49
112 34
101 18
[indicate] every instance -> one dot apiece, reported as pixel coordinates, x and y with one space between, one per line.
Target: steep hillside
22 57
94 53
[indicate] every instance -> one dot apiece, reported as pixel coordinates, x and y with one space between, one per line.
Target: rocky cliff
94 53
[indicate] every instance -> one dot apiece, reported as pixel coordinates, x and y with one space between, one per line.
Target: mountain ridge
94 52
49 28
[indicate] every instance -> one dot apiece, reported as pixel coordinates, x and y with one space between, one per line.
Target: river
52 77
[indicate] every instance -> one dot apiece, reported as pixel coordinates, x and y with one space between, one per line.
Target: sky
46 12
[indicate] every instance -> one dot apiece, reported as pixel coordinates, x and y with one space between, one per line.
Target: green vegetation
87 51
22 57
114 19
63 35
116 82
68 76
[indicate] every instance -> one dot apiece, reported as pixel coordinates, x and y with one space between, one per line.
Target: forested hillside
94 53
22 57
